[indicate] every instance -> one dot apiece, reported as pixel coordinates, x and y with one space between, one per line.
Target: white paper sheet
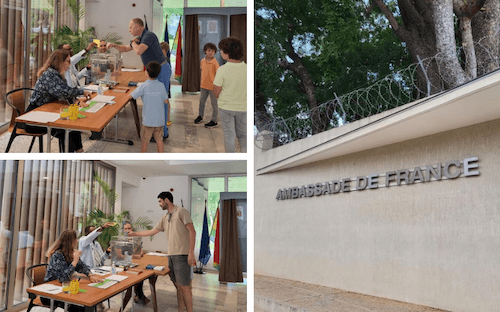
117 278
130 70
94 88
156 254
103 98
48 288
41 117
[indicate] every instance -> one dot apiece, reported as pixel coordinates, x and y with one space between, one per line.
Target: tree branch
369 9
413 14
388 14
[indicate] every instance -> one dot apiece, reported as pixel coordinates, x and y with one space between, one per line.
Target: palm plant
97 217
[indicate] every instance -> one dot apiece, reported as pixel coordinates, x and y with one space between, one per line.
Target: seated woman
50 87
64 261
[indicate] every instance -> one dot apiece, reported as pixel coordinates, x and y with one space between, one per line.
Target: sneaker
211 124
198 120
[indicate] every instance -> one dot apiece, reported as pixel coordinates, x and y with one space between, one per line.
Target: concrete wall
433 243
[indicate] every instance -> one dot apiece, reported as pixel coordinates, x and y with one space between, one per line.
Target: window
40 199
209 189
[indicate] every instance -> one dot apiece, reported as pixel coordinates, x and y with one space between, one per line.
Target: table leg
49 135
66 141
51 305
135 111
65 307
125 300
152 286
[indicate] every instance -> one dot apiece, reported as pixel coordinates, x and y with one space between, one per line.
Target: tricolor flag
215 232
177 47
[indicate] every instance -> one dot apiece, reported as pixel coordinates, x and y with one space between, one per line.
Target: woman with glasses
50 87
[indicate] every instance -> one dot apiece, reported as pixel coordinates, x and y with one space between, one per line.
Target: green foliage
340 48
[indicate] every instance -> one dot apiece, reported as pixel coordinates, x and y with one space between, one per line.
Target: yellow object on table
74 287
73 112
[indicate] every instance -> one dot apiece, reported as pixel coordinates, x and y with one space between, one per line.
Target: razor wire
417 81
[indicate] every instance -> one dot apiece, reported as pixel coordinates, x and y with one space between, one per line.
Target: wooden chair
36 274
17 100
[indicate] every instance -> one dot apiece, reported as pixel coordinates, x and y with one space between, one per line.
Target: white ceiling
156 168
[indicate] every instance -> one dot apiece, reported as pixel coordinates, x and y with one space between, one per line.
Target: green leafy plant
97 217
79 39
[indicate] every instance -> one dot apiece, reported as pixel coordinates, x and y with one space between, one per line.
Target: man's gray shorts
180 270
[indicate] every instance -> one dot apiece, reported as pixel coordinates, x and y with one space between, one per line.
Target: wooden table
93 296
94 121
142 263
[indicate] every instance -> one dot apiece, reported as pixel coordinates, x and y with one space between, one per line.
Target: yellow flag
97 41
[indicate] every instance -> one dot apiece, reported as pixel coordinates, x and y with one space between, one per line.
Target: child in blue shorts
154 96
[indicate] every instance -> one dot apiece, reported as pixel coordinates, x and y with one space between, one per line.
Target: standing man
146 44
181 237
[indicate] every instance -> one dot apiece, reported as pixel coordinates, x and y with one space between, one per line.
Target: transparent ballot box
105 68
124 249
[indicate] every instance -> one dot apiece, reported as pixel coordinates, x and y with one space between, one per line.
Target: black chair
17 100
36 274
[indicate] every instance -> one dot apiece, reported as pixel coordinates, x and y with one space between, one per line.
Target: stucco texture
433 243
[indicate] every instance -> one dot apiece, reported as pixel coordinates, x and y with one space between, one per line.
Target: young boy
230 87
209 66
165 48
154 96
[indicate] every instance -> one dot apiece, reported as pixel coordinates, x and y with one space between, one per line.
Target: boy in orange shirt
209 66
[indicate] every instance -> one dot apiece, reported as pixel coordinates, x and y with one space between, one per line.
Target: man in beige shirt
181 237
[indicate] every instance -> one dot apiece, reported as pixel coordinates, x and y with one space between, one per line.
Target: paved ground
280 295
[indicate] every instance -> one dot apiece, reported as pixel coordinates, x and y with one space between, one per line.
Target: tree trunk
486 32
452 72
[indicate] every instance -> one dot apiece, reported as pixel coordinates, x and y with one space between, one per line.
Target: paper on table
156 254
104 98
105 284
48 288
117 278
94 88
130 70
41 117
108 268
99 272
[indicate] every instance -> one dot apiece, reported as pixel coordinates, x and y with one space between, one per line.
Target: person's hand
94 279
110 45
76 255
91 46
87 94
130 233
108 224
191 259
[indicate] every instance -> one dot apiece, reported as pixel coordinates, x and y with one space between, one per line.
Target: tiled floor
276 294
208 296
184 135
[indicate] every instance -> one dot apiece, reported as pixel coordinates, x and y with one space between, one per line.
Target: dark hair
153 69
210 46
233 47
164 46
138 21
55 60
168 195
87 229
64 244
60 46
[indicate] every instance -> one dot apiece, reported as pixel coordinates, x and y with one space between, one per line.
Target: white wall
109 16
142 200
433 243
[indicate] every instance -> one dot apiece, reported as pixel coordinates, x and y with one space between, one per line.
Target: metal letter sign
450 170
